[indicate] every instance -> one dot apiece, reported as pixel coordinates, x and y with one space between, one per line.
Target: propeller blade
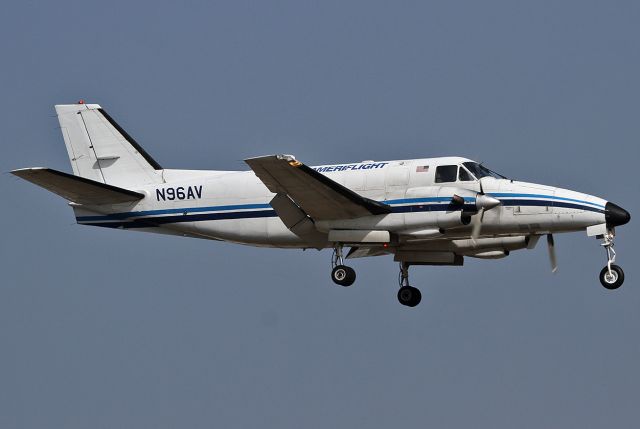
552 253
477 224
484 202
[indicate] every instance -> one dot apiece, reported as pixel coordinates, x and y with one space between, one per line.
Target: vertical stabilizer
100 150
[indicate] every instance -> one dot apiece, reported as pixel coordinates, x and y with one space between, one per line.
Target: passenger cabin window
464 175
446 173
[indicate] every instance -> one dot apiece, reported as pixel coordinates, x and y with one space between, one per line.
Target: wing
318 196
77 189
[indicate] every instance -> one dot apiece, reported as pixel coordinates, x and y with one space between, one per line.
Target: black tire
614 282
343 275
409 296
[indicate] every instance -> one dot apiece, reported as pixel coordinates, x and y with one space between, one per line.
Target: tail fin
100 150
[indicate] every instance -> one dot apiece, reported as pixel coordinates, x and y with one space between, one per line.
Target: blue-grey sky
114 329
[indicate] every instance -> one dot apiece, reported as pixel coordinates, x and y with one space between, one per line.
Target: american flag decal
422 169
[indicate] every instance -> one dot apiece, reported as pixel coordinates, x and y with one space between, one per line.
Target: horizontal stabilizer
316 194
77 189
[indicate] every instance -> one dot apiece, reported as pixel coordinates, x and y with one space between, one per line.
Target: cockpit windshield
481 171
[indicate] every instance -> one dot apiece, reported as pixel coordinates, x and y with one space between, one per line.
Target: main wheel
612 280
343 275
409 296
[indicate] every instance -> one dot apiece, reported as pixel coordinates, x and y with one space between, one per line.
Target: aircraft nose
615 215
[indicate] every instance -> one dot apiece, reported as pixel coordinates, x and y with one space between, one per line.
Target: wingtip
274 156
22 171
288 158
80 103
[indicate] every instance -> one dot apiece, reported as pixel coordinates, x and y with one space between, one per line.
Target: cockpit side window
446 173
464 175
481 171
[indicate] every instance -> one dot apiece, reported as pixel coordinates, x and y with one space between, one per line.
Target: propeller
477 224
552 253
484 202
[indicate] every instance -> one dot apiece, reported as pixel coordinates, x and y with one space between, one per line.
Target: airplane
430 211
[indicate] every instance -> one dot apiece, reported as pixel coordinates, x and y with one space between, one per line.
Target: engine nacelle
490 254
489 247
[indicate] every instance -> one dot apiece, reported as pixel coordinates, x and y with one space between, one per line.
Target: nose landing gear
612 275
341 274
407 295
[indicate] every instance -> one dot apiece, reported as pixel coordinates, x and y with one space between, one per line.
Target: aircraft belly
390 222
279 235
421 220
269 232
250 231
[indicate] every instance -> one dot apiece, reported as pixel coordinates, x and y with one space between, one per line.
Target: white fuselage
429 211
234 205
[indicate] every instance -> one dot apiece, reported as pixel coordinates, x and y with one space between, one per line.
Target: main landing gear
612 275
346 276
341 274
407 295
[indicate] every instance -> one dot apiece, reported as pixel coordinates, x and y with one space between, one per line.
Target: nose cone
615 215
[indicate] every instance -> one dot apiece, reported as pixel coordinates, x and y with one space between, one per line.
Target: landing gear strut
341 274
407 295
612 275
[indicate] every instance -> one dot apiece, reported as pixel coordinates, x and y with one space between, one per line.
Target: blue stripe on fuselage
150 218
551 197
174 211
151 222
425 200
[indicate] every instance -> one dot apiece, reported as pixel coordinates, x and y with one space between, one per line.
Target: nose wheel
611 276
341 274
407 295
